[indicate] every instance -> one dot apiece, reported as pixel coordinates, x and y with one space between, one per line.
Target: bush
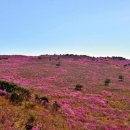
25 93
43 100
11 87
118 58
30 122
3 93
55 106
107 82
29 127
4 57
78 87
39 57
16 98
58 64
121 78
37 98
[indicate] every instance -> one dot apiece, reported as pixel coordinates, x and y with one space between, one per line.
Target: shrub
4 57
78 87
39 57
58 64
25 93
43 100
107 82
37 98
16 98
121 78
55 106
29 127
30 122
3 93
118 58
11 87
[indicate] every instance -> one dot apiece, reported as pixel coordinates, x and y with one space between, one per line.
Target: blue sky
91 27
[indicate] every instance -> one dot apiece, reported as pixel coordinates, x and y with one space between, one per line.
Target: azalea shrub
3 93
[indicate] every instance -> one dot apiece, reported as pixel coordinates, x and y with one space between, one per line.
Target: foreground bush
30 122
11 87
16 98
3 93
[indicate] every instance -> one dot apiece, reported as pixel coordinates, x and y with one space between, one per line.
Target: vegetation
118 58
121 78
58 64
55 106
11 87
61 103
4 57
30 122
107 82
78 87
41 99
30 105
15 98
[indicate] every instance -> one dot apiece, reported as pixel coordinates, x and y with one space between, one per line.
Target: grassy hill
98 105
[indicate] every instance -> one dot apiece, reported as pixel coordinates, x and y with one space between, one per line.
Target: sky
90 27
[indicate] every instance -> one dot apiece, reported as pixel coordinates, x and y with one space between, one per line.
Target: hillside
78 96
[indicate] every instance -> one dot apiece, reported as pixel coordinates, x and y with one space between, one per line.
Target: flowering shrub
3 93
